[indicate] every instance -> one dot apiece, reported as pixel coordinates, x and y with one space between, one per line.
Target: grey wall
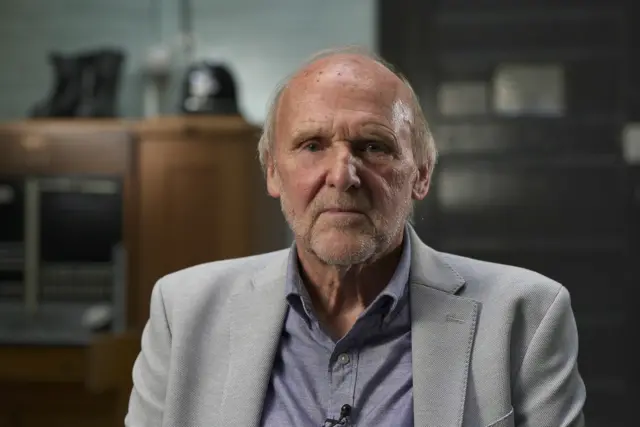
29 29
261 40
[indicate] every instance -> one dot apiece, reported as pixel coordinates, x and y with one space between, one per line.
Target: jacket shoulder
514 301
213 280
490 281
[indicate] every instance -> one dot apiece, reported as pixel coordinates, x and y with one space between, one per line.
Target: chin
343 246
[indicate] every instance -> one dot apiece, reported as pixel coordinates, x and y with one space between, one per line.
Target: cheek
397 180
394 186
299 185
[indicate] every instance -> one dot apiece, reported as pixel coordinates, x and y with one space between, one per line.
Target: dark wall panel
551 193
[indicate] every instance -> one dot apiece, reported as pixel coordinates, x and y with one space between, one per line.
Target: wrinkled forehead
347 84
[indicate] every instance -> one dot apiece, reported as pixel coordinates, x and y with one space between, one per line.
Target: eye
375 147
311 146
371 146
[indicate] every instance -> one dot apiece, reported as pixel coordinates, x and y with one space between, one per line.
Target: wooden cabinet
202 197
193 193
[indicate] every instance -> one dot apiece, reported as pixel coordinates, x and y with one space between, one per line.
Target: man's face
342 164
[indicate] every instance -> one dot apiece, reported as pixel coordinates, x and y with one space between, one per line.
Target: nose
343 172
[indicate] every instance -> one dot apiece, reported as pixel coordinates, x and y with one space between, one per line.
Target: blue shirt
369 368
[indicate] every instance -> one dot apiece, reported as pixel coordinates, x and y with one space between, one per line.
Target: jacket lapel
258 310
443 327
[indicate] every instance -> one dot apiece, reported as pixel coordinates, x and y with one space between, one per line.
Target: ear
421 183
273 179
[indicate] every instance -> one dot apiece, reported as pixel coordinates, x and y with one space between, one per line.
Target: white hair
424 147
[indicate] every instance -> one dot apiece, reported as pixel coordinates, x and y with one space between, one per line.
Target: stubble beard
344 244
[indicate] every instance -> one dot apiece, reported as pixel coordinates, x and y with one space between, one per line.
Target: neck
341 293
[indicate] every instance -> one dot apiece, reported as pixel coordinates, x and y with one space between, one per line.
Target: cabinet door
195 205
44 404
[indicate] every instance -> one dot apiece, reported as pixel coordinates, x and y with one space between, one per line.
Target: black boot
100 83
65 96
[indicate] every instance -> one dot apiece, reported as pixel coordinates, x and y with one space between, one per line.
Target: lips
342 213
341 210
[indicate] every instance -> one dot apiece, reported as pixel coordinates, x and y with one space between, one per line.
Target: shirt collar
395 292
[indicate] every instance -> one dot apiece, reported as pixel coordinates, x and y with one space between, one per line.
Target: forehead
349 90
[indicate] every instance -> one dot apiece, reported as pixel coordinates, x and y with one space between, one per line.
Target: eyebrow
378 130
300 135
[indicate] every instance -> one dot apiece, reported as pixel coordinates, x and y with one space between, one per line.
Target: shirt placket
343 367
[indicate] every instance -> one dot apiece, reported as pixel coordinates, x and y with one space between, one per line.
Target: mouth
343 214
340 210
341 218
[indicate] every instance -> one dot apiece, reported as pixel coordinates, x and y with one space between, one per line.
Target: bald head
351 71
344 84
349 68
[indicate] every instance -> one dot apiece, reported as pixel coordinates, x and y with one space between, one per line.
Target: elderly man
359 322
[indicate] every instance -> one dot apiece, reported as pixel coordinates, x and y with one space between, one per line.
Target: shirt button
344 359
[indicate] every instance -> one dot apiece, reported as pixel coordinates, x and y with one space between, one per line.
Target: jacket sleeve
150 370
549 390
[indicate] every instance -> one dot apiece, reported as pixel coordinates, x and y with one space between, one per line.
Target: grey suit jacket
492 345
